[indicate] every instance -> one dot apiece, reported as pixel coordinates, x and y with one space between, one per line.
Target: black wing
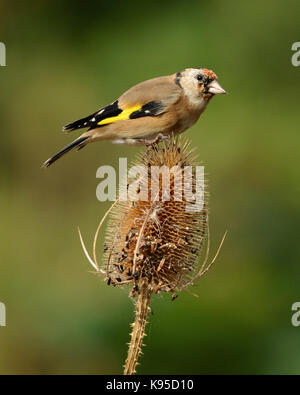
111 110
150 109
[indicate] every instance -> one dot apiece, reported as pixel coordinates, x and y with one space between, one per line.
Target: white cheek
193 94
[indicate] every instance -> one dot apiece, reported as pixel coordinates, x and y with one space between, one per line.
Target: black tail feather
76 143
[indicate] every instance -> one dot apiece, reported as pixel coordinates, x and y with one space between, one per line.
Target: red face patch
210 74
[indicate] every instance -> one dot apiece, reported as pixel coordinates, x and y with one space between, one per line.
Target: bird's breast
188 113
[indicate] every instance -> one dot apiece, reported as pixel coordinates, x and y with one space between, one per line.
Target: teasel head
156 231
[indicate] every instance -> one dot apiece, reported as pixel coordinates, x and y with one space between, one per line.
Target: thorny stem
138 327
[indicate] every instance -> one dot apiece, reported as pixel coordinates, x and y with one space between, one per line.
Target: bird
149 112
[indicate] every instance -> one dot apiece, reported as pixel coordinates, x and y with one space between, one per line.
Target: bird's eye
199 77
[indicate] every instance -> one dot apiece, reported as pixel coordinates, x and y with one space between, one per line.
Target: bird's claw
160 137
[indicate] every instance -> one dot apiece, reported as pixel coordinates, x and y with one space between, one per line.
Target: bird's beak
215 88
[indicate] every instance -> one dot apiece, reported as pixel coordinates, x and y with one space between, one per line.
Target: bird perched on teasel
148 112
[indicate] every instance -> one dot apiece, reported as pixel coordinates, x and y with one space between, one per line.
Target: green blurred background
66 60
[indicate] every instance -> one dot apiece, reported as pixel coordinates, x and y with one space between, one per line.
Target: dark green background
66 60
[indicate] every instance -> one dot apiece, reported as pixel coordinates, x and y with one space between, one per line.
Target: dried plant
153 244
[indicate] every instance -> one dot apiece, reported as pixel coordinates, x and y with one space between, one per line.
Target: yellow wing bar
125 114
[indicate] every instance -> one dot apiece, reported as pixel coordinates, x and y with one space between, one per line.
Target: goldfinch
148 112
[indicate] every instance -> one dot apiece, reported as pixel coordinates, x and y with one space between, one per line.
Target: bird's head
199 84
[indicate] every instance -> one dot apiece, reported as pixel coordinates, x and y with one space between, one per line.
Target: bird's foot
160 137
149 143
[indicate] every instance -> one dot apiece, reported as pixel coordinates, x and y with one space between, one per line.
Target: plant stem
138 327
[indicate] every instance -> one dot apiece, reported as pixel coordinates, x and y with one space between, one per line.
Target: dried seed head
159 238
154 238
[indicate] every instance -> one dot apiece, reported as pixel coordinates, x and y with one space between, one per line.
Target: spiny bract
152 239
